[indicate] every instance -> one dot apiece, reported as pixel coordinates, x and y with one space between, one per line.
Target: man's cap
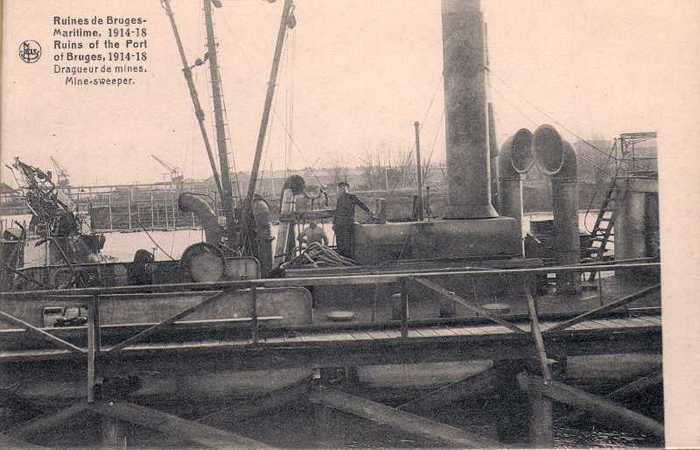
343 183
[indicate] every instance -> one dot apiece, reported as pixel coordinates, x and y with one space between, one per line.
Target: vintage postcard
347 223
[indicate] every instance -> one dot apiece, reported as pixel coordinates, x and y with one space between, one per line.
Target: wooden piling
322 414
600 407
540 421
512 423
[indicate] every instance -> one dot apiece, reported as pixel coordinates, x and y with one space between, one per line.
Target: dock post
540 420
510 425
322 414
404 308
448 308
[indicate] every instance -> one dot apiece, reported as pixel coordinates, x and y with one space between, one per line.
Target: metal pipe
493 160
195 204
514 159
556 157
468 171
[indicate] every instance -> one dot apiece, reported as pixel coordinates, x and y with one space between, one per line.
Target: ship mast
286 21
227 193
198 112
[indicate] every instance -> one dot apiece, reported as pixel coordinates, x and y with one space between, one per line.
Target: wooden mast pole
198 112
271 84
227 194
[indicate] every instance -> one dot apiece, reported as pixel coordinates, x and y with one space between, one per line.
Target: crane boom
173 170
62 179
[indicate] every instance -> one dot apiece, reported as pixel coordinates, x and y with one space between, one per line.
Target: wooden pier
521 346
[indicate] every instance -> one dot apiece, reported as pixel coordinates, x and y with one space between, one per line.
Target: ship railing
518 278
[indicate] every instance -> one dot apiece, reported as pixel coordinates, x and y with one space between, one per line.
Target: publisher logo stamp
29 51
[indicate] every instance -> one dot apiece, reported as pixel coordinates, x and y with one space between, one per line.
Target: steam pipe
514 159
467 140
195 204
556 157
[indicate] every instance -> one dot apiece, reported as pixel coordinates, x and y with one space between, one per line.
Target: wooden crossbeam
603 309
474 308
47 422
536 333
637 386
400 420
165 323
473 385
597 406
187 430
243 409
628 390
36 331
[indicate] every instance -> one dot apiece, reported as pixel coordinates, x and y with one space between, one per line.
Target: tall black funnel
464 52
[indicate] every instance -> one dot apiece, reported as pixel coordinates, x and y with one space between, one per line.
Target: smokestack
468 171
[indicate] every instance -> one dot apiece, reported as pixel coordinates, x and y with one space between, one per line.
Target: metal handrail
361 279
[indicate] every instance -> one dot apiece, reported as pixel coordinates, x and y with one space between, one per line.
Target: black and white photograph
347 224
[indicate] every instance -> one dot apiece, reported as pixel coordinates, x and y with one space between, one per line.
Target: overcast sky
356 75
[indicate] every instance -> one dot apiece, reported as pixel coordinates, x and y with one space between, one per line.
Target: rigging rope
535 123
541 111
153 240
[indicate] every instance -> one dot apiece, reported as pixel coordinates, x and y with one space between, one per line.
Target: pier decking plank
361 336
371 344
377 334
445 331
426 332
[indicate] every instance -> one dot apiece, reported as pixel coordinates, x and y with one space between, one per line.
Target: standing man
344 218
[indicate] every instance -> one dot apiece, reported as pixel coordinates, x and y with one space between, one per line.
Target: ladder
602 233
